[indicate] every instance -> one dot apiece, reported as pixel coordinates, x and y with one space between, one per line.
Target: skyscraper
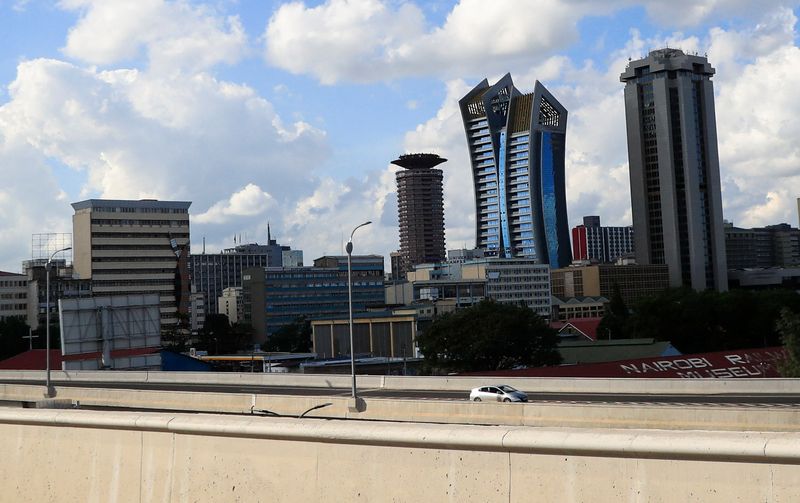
516 144
134 247
674 167
420 210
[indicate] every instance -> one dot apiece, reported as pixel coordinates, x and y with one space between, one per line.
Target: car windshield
507 389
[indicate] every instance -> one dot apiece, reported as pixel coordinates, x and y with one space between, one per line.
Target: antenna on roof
204 245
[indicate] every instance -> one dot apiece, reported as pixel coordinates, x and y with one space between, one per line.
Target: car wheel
477 399
506 399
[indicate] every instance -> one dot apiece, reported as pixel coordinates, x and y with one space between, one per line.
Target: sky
263 111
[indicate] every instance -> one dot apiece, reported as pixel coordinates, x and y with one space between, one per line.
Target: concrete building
462 284
634 281
276 296
517 147
214 272
762 247
420 210
593 242
15 298
674 167
135 247
230 304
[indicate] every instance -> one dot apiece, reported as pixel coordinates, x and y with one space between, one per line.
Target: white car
498 393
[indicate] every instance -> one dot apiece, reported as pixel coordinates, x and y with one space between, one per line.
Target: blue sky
290 112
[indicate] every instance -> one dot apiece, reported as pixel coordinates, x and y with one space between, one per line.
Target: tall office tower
134 247
674 167
516 143
214 272
420 208
593 242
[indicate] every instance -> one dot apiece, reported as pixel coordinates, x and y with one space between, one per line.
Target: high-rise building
214 272
516 143
420 209
674 167
595 243
134 247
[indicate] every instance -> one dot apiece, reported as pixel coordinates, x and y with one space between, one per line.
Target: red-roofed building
577 327
34 359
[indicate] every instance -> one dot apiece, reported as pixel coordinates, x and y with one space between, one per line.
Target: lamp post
349 249
47 316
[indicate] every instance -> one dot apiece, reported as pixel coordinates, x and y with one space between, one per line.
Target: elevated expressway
158 436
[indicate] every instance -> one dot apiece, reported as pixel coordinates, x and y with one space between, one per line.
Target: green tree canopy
789 327
489 336
13 331
697 322
292 338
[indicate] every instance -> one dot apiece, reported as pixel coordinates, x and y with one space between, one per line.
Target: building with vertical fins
420 208
517 147
674 167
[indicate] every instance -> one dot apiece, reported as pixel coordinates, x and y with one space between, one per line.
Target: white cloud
369 40
247 202
133 135
174 35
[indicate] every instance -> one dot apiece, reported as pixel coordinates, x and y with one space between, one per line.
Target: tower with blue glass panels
517 147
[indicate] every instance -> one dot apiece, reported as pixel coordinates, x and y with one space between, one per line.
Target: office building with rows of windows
517 148
133 248
273 297
674 167
594 243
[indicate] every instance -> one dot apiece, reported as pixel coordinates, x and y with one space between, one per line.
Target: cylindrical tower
420 208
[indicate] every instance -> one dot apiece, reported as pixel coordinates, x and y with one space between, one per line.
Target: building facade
594 243
15 298
674 167
762 247
214 272
455 285
135 247
230 304
517 149
420 209
276 296
634 281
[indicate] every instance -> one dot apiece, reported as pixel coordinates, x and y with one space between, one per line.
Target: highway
615 398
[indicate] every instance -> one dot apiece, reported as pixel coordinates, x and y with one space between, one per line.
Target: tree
292 338
489 336
13 331
175 337
614 323
789 327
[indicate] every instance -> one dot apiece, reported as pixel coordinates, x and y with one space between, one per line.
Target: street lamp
349 249
47 315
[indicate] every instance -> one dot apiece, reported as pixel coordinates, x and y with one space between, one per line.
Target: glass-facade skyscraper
517 147
674 167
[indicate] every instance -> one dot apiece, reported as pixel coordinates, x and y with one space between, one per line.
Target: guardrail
444 383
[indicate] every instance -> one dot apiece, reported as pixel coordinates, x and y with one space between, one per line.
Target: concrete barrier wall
449 383
137 457
668 417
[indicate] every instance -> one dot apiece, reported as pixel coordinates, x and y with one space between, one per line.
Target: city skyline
231 108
